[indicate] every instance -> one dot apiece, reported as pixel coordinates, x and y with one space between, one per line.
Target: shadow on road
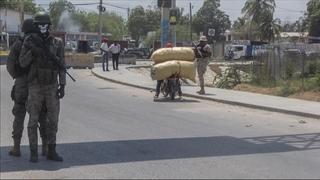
177 100
106 88
95 153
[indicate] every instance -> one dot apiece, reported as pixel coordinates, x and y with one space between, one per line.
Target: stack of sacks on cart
175 60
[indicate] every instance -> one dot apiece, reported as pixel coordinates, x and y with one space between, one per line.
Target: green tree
137 23
56 8
313 8
88 21
256 9
114 24
298 26
209 16
269 28
239 24
243 26
111 23
29 5
153 18
183 19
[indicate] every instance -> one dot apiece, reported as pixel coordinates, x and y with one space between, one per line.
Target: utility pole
165 26
128 15
173 28
190 22
21 12
100 22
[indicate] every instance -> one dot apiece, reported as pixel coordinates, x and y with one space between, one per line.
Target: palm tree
269 28
314 17
256 9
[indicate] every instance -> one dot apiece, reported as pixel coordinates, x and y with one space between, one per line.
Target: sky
286 10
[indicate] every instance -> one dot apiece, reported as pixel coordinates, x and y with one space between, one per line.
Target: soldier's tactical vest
13 67
202 51
45 68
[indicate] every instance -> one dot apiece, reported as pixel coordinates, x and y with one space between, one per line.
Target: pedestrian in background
104 49
115 49
203 54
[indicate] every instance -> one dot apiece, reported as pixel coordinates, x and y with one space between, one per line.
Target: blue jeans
115 61
159 82
105 61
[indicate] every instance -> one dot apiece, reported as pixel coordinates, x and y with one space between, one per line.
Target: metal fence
292 66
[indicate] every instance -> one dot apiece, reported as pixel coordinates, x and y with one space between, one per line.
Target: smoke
67 24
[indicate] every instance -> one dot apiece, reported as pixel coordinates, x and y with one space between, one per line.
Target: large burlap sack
168 54
166 69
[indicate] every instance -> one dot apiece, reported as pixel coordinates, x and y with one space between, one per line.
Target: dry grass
210 74
308 95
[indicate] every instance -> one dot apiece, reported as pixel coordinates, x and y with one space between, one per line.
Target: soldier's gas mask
43 29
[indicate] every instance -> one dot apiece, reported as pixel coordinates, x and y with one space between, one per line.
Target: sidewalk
252 100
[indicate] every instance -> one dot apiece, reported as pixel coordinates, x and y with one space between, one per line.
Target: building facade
10 21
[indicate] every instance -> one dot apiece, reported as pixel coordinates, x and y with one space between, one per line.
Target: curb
234 103
120 82
138 66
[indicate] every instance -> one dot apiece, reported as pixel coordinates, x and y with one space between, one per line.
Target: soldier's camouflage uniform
43 83
19 95
202 64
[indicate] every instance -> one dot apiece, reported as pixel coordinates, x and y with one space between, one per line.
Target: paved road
112 131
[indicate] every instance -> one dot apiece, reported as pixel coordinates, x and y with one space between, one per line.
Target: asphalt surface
108 130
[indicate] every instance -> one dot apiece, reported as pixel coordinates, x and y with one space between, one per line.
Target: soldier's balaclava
43 30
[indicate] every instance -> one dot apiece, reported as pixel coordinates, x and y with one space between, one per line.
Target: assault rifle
55 59
197 51
52 57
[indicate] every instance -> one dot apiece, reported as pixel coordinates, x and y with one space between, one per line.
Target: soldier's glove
60 92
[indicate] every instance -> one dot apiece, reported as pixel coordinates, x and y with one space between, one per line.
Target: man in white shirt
104 49
115 50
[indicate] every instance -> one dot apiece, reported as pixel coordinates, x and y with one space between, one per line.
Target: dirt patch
308 95
144 71
255 89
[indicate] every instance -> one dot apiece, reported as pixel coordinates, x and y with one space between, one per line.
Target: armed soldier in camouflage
19 93
203 53
47 79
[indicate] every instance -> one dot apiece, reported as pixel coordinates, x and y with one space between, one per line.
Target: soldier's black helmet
27 26
41 18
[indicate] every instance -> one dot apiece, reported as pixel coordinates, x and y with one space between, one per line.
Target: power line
108 4
78 4
291 10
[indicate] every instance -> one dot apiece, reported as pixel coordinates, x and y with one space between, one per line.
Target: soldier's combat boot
44 147
52 154
15 151
201 90
34 153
